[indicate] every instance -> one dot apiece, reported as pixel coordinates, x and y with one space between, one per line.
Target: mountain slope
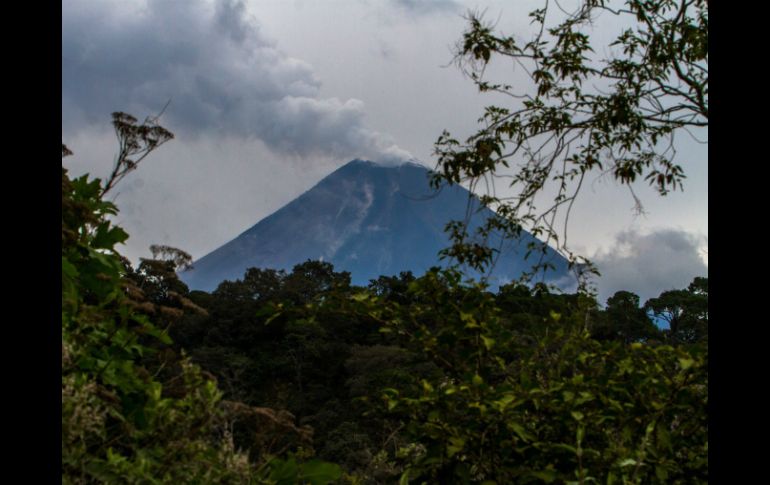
364 218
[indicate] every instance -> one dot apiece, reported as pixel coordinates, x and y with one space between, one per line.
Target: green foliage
581 114
313 472
566 409
269 343
624 321
132 410
118 422
433 380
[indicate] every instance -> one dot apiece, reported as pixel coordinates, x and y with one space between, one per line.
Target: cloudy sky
269 96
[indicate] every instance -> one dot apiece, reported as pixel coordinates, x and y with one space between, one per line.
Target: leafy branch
616 115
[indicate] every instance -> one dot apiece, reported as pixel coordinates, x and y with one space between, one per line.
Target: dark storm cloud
219 71
647 264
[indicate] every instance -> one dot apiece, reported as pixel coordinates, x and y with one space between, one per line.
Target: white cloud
650 263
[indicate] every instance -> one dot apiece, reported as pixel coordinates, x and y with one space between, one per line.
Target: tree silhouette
685 311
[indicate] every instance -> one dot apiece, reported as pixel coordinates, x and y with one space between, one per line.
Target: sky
268 97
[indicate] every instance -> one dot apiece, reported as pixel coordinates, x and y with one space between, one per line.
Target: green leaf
284 472
577 415
547 476
488 342
319 472
503 402
404 480
564 446
585 396
68 269
455 444
519 430
470 321
107 237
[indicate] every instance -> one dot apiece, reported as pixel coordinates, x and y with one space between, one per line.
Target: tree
155 281
624 320
582 114
311 278
685 311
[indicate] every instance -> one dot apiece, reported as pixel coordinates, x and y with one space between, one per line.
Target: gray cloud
223 75
195 194
647 264
429 6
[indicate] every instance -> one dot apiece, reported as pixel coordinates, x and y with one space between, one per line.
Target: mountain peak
366 218
388 163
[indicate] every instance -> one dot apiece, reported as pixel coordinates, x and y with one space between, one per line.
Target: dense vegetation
442 381
425 379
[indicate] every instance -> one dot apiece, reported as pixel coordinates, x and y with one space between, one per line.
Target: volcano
368 219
